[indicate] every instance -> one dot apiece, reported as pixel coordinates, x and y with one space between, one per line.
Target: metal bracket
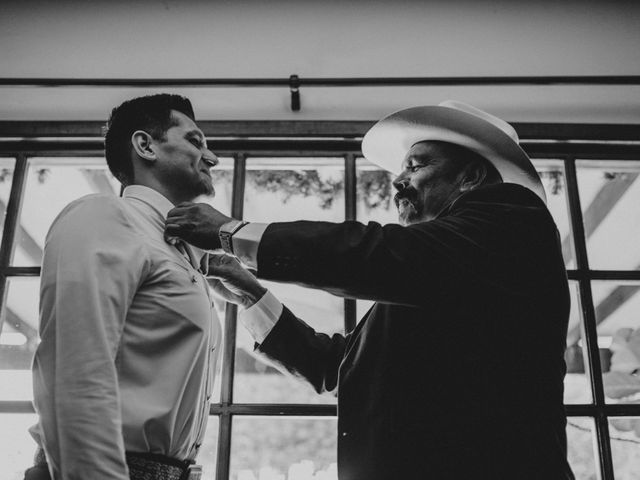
294 87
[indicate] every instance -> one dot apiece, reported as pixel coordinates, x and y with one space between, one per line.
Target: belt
142 466
149 466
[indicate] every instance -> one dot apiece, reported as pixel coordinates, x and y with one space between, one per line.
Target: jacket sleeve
91 270
489 236
296 348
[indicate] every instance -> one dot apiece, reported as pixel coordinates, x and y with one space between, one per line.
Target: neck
174 197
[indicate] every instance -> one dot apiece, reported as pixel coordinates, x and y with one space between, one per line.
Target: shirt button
344 434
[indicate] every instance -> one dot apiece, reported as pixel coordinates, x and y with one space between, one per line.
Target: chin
207 189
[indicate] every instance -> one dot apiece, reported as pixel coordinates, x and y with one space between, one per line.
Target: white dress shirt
129 339
259 318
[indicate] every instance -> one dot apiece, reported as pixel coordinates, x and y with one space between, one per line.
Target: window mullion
589 321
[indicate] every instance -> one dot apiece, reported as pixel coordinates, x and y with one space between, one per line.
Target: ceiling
159 39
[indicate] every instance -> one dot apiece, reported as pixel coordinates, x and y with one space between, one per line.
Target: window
266 425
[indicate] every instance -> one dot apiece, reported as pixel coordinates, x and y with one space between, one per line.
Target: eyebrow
197 133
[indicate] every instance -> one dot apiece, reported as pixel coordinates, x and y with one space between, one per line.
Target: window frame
242 139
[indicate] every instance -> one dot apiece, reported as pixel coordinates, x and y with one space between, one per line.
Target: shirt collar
159 203
153 198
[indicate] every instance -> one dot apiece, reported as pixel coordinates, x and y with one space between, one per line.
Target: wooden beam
313 129
604 201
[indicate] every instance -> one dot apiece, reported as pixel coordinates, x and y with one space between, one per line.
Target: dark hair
151 114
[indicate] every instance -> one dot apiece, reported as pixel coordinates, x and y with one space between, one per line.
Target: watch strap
226 234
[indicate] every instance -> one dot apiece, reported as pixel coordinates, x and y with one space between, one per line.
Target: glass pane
625 447
18 337
223 183
283 448
284 189
51 184
256 380
582 448
553 179
217 379
208 454
362 307
374 192
576 383
610 199
617 308
6 177
16 445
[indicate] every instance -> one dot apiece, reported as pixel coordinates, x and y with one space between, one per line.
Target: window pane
582 448
553 179
617 307
284 189
283 448
374 194
625 447
16 445
6 177
610 199
19 337
51 184
256 380
208 454
576 383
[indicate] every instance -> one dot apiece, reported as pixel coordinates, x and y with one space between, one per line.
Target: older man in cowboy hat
457 370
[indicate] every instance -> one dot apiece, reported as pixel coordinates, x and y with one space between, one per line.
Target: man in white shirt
124 372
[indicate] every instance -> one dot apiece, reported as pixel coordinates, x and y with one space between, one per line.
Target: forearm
351 260
296 348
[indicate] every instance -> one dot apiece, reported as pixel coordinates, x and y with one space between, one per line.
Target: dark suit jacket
457 370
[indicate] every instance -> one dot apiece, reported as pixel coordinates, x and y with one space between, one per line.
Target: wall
254 39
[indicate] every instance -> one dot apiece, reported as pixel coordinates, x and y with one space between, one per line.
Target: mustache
408 194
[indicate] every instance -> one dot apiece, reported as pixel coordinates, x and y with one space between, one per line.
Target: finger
176 215
171 240
174 230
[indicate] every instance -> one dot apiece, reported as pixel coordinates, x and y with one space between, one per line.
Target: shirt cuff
261 317
246 241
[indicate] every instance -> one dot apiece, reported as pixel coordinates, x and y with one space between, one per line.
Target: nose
210 158
400 183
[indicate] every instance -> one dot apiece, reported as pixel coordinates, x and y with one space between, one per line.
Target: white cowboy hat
388 141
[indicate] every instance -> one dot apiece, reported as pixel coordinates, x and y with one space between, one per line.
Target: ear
142 144
473 176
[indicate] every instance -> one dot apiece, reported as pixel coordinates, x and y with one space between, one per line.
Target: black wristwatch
226 233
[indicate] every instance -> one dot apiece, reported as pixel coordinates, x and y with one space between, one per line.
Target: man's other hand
195 223
232 281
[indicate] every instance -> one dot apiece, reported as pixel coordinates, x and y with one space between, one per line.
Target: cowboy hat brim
386 144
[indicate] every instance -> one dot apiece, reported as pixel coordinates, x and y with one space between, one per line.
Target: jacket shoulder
507 193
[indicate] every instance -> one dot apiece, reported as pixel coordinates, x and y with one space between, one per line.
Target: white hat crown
487 117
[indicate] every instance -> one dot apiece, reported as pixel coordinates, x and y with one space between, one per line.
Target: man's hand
195 223
232 281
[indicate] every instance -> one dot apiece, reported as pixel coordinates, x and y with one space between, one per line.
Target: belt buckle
195 472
